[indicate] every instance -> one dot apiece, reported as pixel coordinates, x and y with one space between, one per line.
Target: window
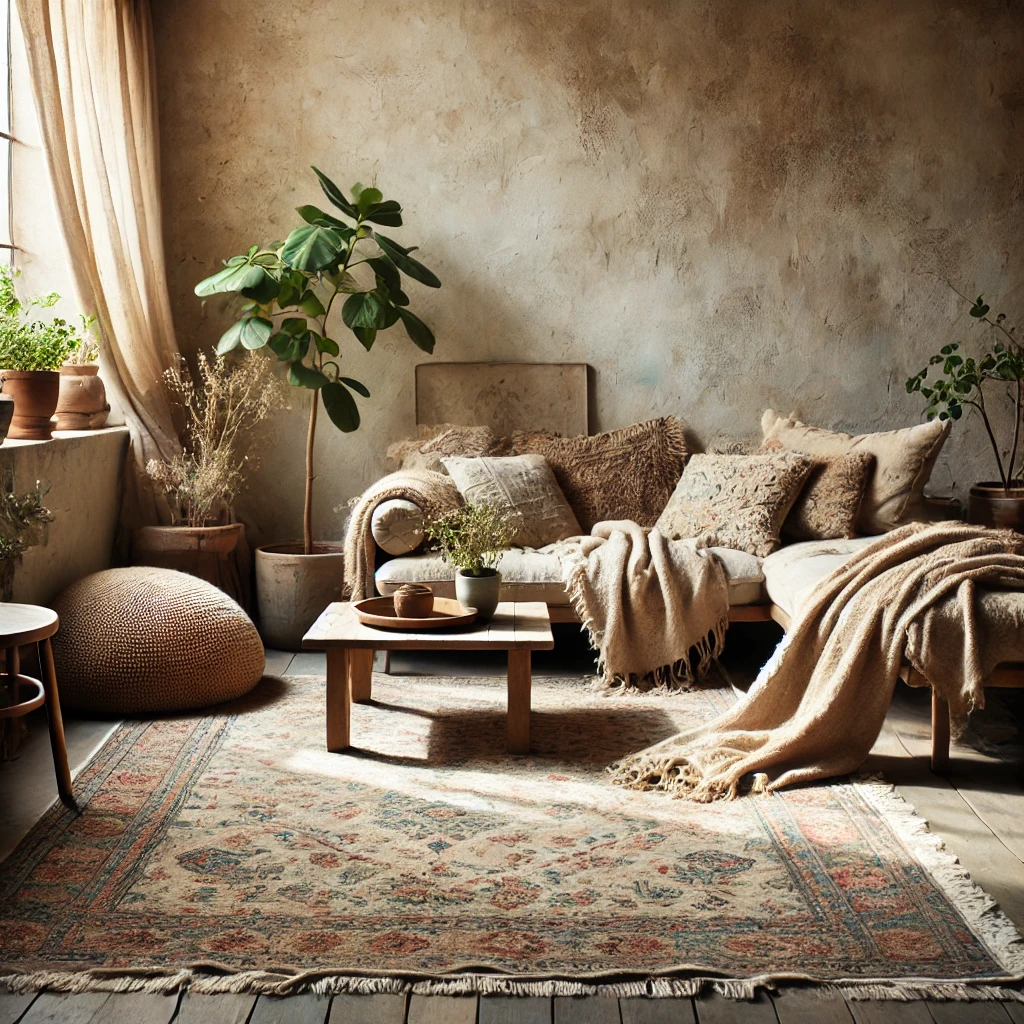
5 131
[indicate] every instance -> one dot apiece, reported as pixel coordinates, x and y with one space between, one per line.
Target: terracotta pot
6 415
82 399
990 505
413 601
292 589
479 592
208 552
35 400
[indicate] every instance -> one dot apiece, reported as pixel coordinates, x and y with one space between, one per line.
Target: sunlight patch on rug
427 856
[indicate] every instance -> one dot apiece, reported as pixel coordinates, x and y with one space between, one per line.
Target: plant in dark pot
979 383
222 405
31 354
288 291
472 538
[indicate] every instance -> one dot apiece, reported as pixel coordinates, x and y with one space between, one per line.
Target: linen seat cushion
537 576
520 483
904 460
621 474
141 640
735 501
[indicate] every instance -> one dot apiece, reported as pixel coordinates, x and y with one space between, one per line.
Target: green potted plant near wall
82 397
31 354
288 291
472 538
961 381
222 406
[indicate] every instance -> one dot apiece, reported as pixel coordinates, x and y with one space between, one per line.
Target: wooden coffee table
518 627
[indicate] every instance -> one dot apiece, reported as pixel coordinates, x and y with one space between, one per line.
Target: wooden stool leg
940 734
519 684
387 663
339 699
360 667
56 724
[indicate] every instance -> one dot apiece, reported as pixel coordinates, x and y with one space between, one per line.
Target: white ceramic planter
292 589
479 592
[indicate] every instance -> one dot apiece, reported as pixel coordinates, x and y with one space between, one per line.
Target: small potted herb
82 399
31 354
473 538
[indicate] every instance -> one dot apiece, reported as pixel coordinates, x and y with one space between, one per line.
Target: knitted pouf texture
142 639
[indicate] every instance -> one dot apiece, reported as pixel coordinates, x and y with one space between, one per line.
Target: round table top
25 624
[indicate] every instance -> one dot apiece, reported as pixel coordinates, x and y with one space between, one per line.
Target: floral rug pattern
236 840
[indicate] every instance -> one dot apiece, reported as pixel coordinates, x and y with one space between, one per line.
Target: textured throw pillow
426 452
903 463
524 483
828 505
735 501
621 474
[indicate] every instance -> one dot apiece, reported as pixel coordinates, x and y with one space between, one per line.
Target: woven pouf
139 640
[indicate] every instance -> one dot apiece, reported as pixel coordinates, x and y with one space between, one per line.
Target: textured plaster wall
719 206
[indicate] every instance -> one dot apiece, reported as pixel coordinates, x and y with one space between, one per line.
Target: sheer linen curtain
93 77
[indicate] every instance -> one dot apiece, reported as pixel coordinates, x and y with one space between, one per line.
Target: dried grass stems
229 398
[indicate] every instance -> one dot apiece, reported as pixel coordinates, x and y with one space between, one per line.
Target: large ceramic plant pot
990 505
479 592
82 398
35 401
208 552
292 589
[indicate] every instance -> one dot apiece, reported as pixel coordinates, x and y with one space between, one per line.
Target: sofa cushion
738 500
397 526
620 474
792 572
903 464
522 484
537 576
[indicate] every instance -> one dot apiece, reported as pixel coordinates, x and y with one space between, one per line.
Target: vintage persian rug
232 852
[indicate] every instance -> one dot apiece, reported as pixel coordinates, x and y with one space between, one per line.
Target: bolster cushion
397 526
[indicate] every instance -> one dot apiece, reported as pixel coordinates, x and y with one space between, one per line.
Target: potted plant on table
82 398
229 398
31 354
289 290
962 380
472 538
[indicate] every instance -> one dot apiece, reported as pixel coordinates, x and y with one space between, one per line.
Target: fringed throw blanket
434 493
817 707
656 609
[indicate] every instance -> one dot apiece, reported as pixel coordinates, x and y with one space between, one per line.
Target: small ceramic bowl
413 601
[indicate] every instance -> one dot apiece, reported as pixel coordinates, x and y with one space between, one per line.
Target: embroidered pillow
735 501
829 503
426 452
524 483
620 474
903 464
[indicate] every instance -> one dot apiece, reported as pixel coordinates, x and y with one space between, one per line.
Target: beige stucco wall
718 206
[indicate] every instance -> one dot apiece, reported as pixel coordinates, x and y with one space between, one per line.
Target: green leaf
304 376
311 305
356 386
364 309
265 291
286 347
388 213
979 309
406 263
288 295
387 272
368 198
366 335
311 247
336 196
251 332
239 273
328 345
341 407
420 333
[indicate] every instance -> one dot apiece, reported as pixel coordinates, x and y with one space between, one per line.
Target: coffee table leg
360 667
519 679
339 698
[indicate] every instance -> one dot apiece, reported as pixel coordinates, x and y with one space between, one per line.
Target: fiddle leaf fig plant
288 291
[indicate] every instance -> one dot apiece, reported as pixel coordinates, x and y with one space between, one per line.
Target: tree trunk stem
307 512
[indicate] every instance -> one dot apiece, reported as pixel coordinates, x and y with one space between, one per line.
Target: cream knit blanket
656 610
434 493
817 707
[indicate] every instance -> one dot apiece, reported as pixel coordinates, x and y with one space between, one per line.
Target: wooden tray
379 612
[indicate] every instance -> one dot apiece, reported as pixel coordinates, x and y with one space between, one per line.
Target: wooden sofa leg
940 734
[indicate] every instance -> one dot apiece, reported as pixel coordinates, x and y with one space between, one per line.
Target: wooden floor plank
586 1010
1015 1011
713 1008
136 1008
889 1011
810 1006
65 1008
377 1009
513 1010
657 1011
442 1009
228 1008
14 1004
968 1013
307 1008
